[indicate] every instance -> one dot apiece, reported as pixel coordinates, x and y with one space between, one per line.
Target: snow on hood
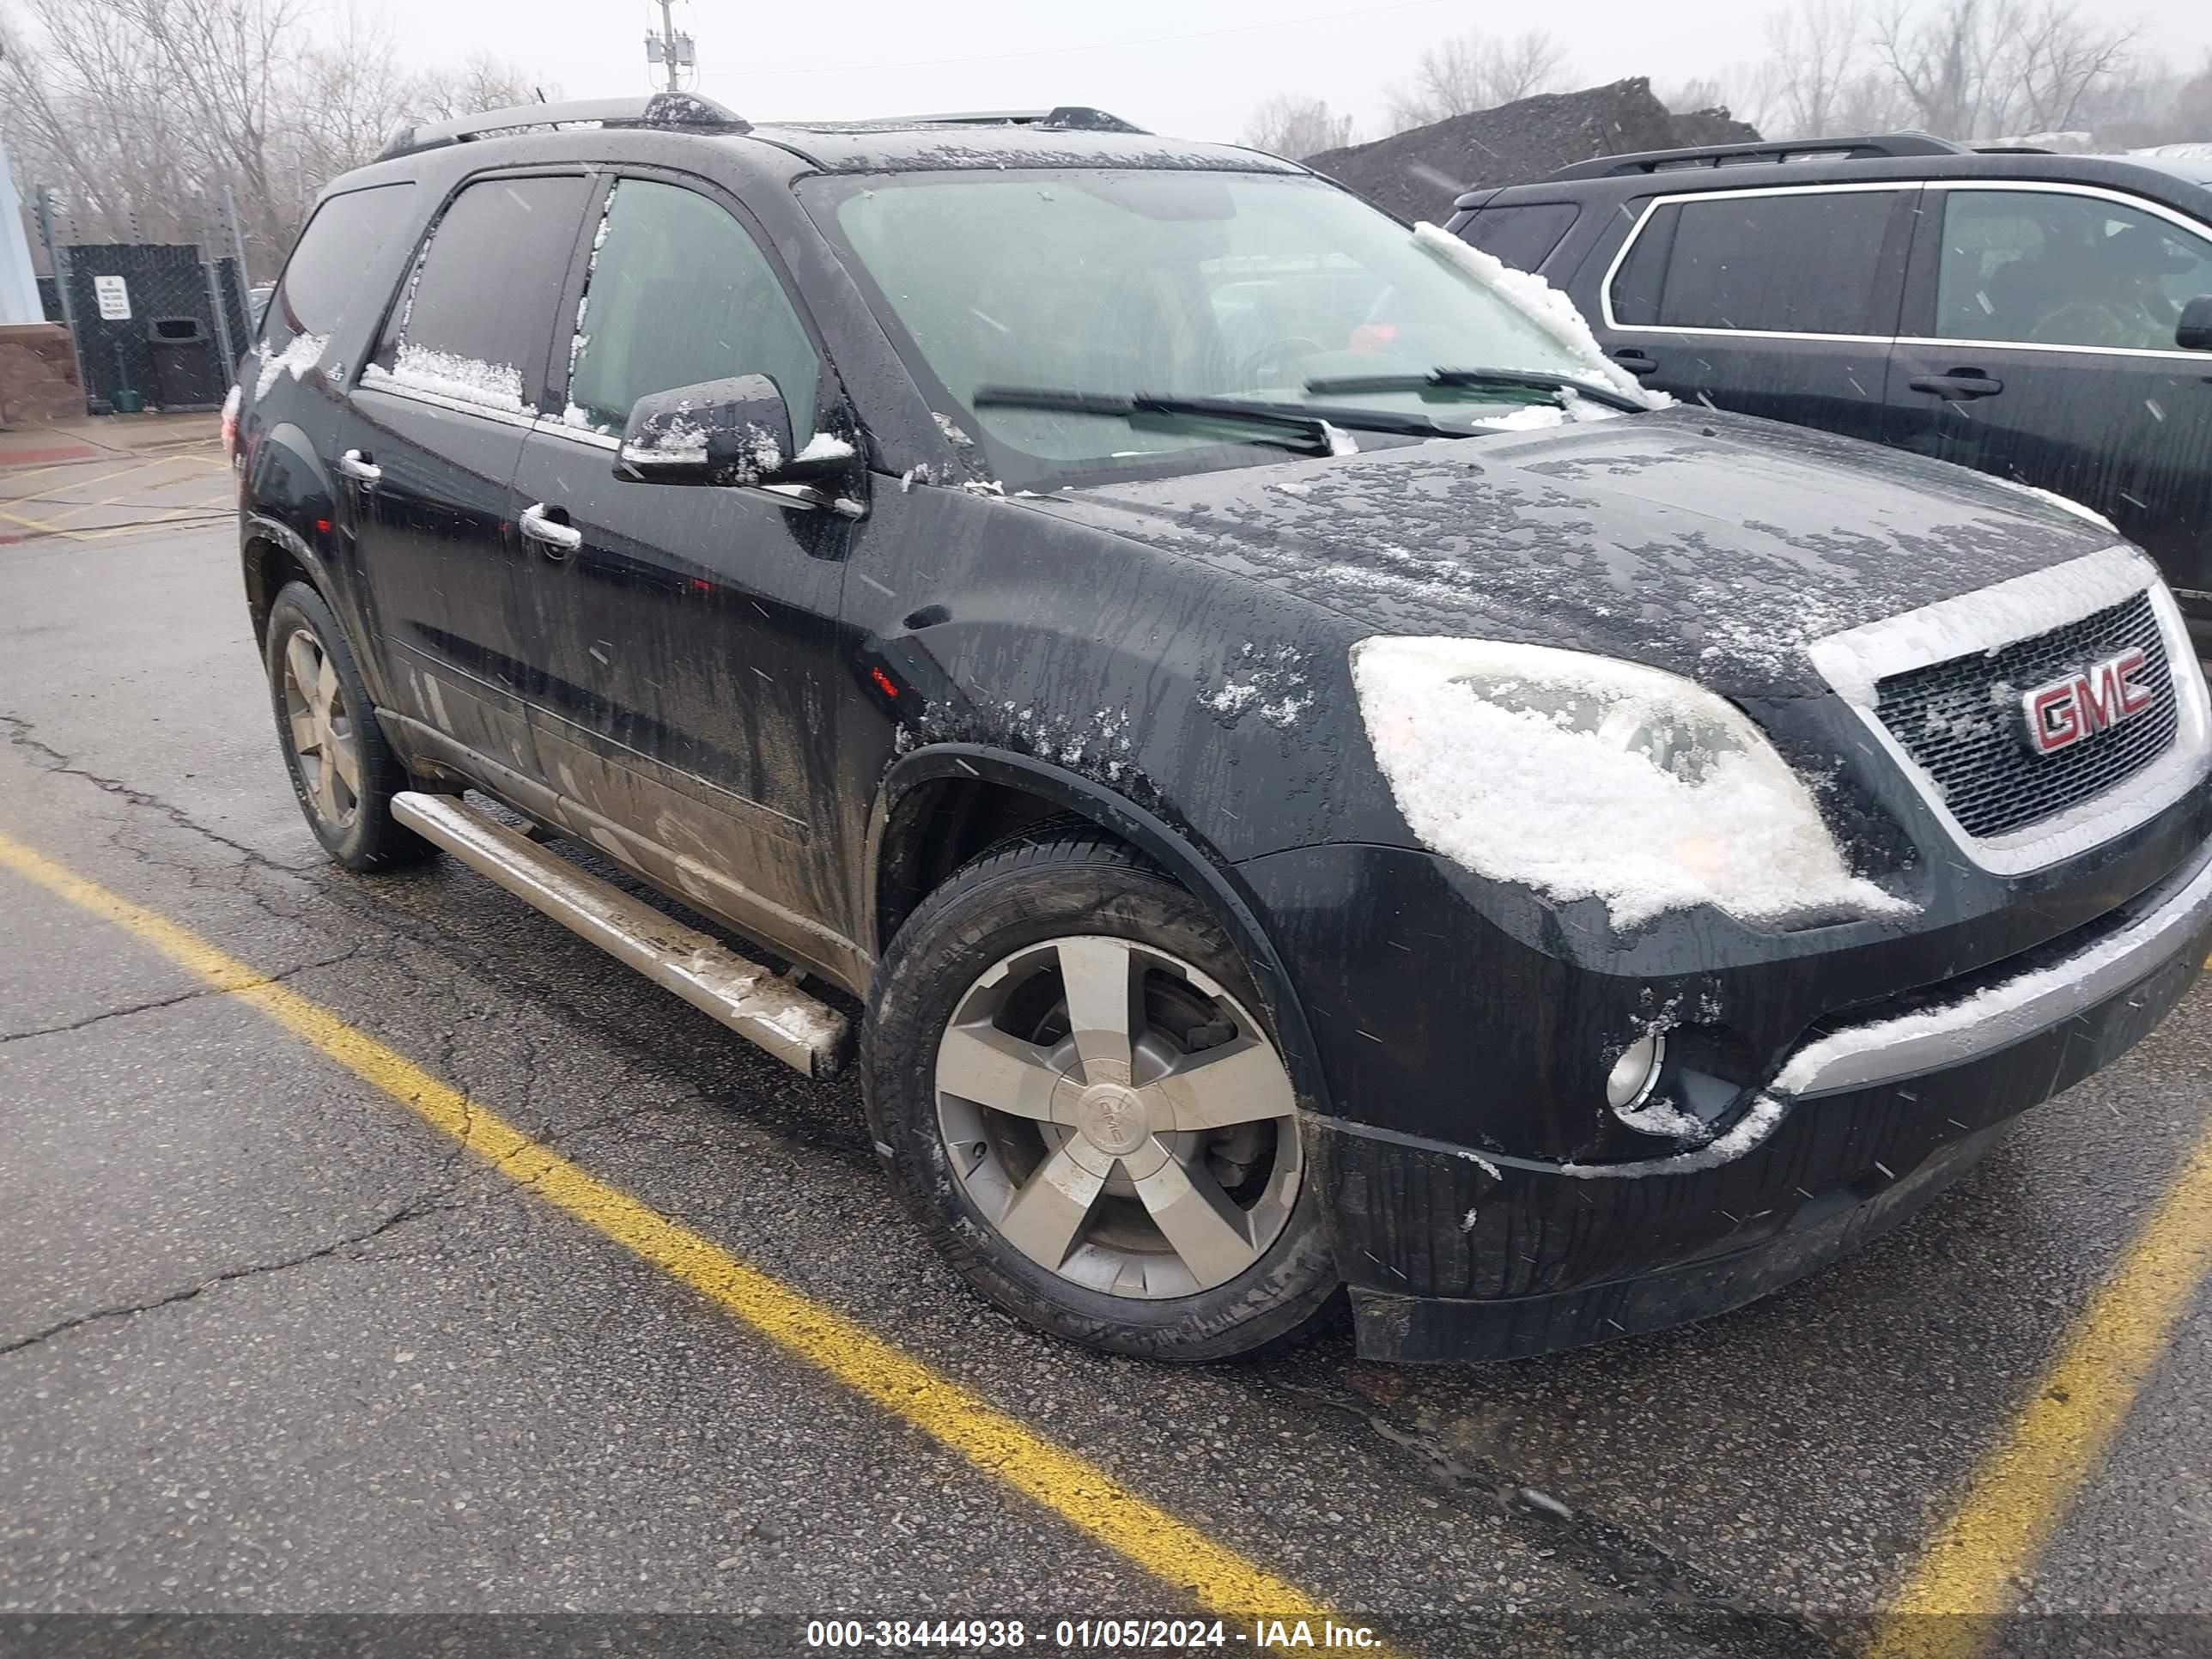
1715 546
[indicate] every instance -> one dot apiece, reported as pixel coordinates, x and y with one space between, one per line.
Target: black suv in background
1316 779
2045 319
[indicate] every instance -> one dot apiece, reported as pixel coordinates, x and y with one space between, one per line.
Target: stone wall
38 375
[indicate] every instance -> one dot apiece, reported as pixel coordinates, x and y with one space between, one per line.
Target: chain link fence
156 324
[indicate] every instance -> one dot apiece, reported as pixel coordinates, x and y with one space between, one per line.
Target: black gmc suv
2047 319
1317 778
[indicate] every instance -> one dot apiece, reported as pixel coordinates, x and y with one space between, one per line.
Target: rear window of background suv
335 254
1524 234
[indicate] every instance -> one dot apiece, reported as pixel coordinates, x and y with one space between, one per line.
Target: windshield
1251 287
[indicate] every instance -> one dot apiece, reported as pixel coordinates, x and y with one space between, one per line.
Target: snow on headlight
1584 777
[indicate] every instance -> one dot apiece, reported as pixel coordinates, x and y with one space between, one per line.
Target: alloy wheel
320 726
1119 1117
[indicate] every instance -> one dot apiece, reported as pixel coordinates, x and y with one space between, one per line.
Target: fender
1151 834
289 477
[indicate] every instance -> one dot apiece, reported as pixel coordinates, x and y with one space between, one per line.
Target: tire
1091 1194
326 728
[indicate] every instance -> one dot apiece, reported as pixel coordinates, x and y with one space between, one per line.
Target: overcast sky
855 57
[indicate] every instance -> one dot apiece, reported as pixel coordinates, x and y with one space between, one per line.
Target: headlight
1585 777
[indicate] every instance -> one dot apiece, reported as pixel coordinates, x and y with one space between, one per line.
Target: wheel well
938 826
269 567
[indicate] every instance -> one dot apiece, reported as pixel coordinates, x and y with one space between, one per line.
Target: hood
1715 546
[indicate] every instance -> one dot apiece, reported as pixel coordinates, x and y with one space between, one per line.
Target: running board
759 1005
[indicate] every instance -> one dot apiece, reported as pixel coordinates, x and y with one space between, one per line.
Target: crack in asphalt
1604 1555
414 1210
19 736
194 996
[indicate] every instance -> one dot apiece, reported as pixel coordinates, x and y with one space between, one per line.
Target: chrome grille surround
2070 596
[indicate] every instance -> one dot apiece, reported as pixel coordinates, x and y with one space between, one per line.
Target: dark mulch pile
1417 173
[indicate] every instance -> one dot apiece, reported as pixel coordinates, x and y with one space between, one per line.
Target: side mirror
733 431
2194 331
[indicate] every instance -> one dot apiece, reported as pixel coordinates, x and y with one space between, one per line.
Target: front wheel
1067 1064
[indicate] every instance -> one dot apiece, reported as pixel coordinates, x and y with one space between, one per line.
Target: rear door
436 431
684 636
2040 346
1780 303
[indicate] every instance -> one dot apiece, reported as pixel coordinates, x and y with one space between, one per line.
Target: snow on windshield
1544 305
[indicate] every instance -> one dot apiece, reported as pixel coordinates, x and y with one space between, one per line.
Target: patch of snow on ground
1534 794
304 352
1544 305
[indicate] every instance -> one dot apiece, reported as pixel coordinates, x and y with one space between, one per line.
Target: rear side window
680 293
1808 263
339 247
478 310
1523 235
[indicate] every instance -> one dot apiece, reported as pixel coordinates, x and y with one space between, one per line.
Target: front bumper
1454 1255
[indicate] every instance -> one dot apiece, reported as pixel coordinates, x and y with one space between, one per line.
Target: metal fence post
58 256
221 320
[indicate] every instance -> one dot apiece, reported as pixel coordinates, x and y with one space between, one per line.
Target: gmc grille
1961 720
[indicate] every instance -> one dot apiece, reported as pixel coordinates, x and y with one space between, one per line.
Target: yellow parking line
1965 1578
1212 1574
40 525
81 483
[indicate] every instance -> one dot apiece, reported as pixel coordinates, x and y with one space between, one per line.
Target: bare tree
1475 71
1297 127
139 113
1813 57
2061 68
1701 93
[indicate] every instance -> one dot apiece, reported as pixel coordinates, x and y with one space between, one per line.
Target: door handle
357 466
554 540
1959 386
1636 360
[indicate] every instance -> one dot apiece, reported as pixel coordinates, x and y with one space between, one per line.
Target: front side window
334 253
679 293
1806 263
1248 287
2053 267
472 323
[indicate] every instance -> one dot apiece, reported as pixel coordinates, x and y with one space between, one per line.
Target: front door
1778 302
685 636
434 434
2040 346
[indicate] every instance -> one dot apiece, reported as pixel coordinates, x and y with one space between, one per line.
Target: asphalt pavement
269 1344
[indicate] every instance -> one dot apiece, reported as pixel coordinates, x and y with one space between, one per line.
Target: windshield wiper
1301 428
1503 380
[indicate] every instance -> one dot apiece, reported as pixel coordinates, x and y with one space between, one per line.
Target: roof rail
1871 146
683 111
1064 117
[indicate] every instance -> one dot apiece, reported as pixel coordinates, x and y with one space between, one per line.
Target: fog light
1636 1073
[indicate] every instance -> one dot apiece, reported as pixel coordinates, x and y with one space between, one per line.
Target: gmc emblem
2065 711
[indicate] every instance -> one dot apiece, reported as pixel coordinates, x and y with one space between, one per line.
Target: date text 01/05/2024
1171 1634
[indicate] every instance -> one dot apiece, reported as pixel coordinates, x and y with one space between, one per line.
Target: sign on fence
113 296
